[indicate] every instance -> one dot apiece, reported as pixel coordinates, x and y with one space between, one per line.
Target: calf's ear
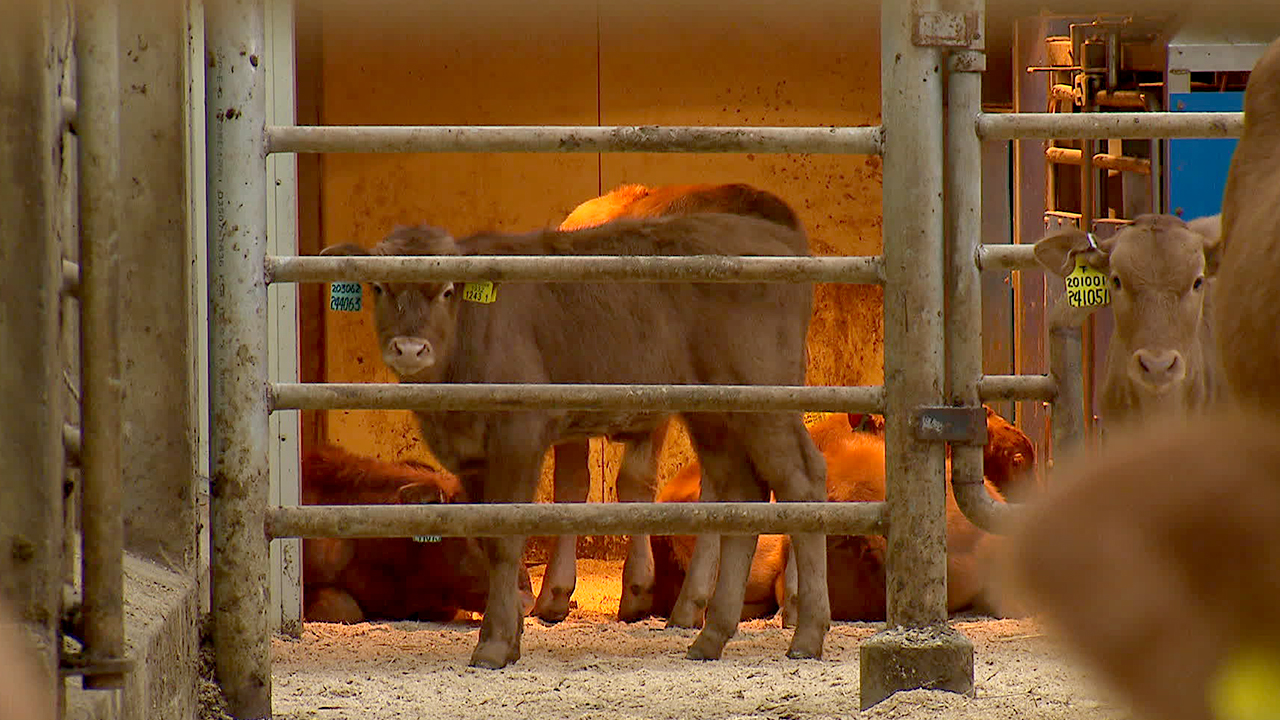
1210 230
1057 251
344 249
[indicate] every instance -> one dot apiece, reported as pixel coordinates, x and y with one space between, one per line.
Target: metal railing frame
240 270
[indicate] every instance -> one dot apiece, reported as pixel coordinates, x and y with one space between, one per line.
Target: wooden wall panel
782 64
442 63
661 62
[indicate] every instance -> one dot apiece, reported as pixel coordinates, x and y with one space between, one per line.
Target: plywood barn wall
479 63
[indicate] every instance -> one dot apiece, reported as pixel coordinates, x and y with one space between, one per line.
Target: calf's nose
408 355
1160 368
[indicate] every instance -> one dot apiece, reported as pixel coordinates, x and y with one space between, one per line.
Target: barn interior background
487 62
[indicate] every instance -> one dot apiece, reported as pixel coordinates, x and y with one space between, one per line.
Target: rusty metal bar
479 520
235 82
866 270
1100 126
865 140
996 258
102 515
1017 387
1105 161
964 282
668 398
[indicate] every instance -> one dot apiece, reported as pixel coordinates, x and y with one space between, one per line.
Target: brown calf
355 579
1159 561
1161 359
638 472
726 333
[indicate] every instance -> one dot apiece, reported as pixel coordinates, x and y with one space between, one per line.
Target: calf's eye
1115 282
1199 283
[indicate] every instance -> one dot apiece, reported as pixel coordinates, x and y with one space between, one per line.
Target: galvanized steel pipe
489 396
1066 354
573 139
1102 126
577 268
964 281
479 520
1017 387
911 88
996 258
70 278
235 81
102 514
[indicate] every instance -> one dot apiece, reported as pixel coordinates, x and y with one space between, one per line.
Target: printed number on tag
481 292
426 538
344 297
1087 286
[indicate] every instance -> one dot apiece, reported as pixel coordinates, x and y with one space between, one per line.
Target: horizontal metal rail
1007 257
1106 125
658 398
483 520
863 270
1017 387
864 140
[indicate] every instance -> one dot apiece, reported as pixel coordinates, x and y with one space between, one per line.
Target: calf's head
1158 271
415 321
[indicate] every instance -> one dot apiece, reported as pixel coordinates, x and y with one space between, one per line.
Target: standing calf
638 473
1159 560
1161 359
725 333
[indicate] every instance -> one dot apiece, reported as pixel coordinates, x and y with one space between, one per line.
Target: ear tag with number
1087 286
481 292
345 297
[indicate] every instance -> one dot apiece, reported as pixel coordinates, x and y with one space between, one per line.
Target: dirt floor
592 666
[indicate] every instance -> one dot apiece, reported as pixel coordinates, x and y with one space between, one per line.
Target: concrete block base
935 658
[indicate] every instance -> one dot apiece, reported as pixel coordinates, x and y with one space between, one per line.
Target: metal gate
933 373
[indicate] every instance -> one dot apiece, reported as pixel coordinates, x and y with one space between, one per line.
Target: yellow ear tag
1087 286
481 292
1247 686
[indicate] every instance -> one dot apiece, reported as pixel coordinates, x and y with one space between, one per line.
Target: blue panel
1198 167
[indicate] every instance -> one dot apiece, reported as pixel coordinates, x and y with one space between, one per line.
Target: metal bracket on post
938 28
950 424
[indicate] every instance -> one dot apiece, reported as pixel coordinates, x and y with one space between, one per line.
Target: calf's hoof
705 647
636 604
687 616
805 648
492 655
554 606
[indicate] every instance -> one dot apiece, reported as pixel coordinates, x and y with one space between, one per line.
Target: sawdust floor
592 666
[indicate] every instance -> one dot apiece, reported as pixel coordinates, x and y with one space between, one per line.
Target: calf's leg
638 482
783 452
511 476
571 482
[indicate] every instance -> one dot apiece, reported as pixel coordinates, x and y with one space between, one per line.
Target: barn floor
591 666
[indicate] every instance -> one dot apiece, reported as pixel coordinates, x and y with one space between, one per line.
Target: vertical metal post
235 81
102 519
917 649
964 279
1066 352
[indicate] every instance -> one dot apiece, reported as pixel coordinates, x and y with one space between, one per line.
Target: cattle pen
931 129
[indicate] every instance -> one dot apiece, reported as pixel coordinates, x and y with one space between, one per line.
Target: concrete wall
33 46
584 63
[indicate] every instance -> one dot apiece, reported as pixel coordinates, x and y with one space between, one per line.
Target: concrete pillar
33 48
158 455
